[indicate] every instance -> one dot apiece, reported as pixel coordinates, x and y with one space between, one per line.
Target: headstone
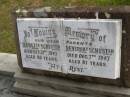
88 47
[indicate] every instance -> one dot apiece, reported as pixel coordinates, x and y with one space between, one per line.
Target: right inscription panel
92 47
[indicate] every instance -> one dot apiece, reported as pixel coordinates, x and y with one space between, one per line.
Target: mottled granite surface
6 90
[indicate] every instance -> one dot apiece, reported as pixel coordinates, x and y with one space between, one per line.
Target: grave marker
89 47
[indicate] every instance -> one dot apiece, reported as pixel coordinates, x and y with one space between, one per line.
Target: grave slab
71 86
44 91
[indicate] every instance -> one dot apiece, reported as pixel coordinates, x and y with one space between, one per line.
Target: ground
6 90
7 40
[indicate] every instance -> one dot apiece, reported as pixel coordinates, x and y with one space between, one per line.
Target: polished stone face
89 47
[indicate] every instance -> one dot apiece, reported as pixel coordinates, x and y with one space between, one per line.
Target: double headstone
76 44
89 47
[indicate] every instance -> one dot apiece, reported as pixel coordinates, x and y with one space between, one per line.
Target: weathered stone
8 63
89 47
40 91
6 83
71 86
89 12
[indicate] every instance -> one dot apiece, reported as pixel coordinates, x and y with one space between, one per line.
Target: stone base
55 87
41 91
45 86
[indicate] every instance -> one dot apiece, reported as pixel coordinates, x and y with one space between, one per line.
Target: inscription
89 47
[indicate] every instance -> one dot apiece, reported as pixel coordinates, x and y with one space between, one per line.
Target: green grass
7 43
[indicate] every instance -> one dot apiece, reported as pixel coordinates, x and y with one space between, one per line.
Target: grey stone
6 83
8 64
71 86
40 91
41 12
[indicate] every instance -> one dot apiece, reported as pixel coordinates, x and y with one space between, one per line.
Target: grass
7 43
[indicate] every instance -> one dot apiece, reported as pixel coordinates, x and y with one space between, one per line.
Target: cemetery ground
7 40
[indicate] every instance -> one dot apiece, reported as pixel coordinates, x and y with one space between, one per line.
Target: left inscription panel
40 43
